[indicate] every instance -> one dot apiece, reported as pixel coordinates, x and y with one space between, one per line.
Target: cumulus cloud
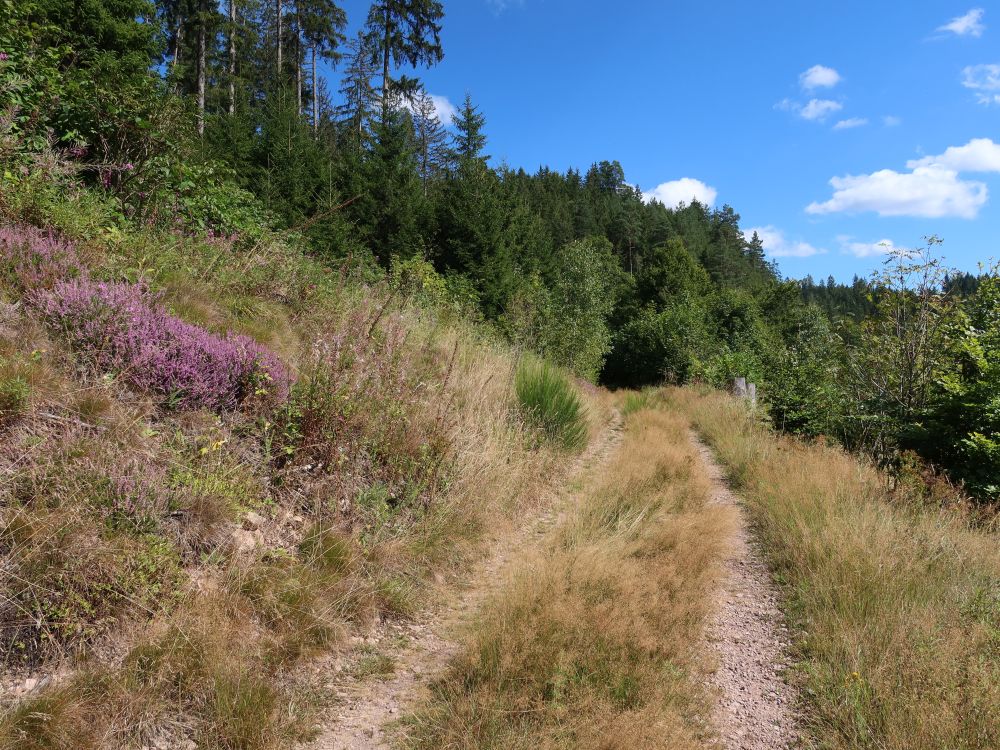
928 192
777 245
445 110
891 121
684 190
984 80
850 246
978 155
819 77
971 24
853 122
819 109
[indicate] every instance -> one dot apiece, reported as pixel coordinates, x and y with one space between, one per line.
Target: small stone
254 520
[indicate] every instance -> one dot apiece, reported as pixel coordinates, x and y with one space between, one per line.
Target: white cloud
853 122
819 109
927 192
978 155
778 246
684 190
849 246
819 77
891 121
971 24
445 110
985 81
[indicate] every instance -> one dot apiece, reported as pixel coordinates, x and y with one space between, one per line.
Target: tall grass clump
549 401
896 602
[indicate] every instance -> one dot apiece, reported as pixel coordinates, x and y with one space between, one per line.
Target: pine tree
322 27
403 31
357 110
392 202
429 137
469 140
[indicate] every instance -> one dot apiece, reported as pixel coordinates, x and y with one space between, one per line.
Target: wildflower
4 57
120 328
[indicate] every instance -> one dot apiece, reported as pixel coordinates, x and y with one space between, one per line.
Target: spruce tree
469 139
429 137
403 31
357 109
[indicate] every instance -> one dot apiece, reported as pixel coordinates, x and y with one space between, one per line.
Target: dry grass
168 630
898 605
594 643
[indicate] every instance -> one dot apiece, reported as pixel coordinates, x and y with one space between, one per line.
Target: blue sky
832 127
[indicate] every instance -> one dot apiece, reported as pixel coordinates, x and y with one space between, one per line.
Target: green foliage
666 346
566 320
550 402
14 395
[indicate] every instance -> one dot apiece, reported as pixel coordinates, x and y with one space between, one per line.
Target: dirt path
417 651
756 706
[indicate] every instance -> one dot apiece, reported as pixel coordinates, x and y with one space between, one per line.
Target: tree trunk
315 102
232 57
177 52
279 35
385 68
201 70
298 61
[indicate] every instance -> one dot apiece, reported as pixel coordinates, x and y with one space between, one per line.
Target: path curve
422 648
756 705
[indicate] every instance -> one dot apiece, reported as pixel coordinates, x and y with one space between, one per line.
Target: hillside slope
218 460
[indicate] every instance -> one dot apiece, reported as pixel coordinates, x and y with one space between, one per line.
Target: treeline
207 117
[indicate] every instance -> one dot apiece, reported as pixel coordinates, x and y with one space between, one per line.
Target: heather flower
120 328
36 258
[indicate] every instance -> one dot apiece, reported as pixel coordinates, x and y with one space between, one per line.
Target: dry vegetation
595 642
165 569
897 603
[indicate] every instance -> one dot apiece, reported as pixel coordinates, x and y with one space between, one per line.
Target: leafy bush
119 328
550 402
565 320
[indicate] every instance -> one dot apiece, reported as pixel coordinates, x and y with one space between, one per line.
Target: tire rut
366 709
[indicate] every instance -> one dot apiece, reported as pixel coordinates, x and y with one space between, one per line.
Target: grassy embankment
595 642
897 604
176 539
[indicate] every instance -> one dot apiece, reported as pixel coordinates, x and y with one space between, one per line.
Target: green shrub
550 402
14 393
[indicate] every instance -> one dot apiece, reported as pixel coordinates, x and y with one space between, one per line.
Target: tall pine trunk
298 61
278 10
232 57
201 70
315 101
385 67
178 39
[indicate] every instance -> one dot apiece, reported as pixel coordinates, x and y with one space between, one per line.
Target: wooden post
740 387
